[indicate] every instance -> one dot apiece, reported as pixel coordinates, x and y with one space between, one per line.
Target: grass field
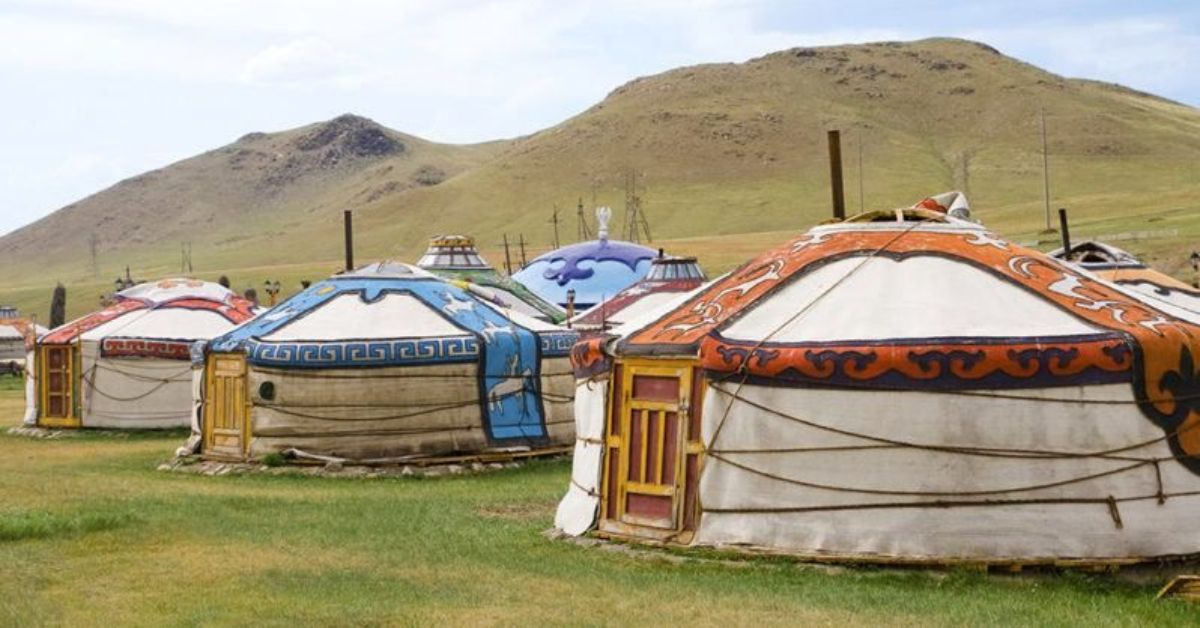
91 533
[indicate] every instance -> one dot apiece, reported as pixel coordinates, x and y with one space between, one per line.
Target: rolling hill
718 150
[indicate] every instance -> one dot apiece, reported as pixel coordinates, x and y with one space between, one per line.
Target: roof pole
348 219
835 175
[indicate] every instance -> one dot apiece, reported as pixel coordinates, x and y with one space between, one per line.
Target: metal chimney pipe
835 175
1066 234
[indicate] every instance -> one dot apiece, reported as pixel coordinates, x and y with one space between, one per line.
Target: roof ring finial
603 214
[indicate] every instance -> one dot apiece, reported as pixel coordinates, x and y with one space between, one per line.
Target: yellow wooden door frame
226 409
70 393
619 445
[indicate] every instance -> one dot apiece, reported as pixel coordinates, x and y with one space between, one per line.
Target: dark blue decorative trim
558 344
351 354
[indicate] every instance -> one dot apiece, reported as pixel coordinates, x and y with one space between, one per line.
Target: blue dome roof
595 270
395 315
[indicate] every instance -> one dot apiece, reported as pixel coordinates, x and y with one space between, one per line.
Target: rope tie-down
942 499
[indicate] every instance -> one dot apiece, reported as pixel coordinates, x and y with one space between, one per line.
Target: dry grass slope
723 150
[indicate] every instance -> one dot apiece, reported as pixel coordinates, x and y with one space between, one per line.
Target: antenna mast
185 258
585 231
635 216
554 220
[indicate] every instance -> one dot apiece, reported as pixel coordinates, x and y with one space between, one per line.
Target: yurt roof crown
453 252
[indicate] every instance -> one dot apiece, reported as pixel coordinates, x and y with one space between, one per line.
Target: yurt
669 276
15 336
18 337
387 363
901 387
455 257
591 271
1122 268
127 365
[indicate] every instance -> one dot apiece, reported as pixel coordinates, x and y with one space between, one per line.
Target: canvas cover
921 389
668 276
1122 268
392 361
134 355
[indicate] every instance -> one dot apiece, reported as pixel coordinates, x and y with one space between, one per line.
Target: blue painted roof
596 270
509 354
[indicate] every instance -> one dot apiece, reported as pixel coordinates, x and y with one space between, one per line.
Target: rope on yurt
90 378
979 493
948 504
289 433
868 387
1112 502
589 491
304 375
979 451
177 376
744 368
429 409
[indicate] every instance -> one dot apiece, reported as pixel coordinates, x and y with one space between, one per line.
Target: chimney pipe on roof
835 175
1066 235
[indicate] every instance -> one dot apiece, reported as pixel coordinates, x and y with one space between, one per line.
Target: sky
94 91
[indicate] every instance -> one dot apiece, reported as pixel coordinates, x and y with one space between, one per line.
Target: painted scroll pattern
934 364
146 348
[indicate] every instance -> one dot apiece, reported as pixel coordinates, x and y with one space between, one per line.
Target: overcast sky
94 91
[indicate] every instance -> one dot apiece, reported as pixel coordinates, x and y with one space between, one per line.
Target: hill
718 150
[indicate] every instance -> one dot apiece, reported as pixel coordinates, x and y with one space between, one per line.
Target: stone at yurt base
900 387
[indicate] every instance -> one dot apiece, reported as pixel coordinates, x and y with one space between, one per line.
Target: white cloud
306 60
1147 53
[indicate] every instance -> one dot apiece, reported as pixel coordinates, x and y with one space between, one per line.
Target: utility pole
554 220
522 244
635 215
507 257
1045 168
585 232
861 196
348 238
185 258
95 260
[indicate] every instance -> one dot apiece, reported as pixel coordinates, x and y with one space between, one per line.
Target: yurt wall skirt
127 366
388 363
913 391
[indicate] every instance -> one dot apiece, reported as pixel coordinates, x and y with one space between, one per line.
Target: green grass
91 533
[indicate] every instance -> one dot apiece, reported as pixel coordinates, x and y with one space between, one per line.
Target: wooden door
57 372
652 448
226 407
